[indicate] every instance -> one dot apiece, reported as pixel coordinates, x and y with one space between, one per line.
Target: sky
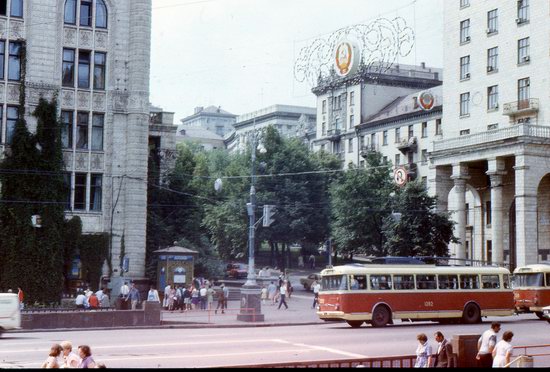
240 54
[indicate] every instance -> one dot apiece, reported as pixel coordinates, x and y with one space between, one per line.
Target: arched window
70 12
101 14
16 8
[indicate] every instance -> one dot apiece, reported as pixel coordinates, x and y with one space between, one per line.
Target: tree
360 203
33 184
421 230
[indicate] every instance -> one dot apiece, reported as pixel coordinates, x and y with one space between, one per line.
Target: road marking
323 348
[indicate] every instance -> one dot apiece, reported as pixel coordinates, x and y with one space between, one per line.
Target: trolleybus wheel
354 323
472 314
539 315
380 317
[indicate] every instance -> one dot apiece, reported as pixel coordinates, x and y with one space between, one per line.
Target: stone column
496 172
526 214
460 178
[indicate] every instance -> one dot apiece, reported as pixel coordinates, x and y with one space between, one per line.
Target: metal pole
251 278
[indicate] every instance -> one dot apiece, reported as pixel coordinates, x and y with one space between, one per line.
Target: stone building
95 54
289 121
365 112
492 165
211 118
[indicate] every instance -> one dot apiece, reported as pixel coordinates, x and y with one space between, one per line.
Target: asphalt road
235 346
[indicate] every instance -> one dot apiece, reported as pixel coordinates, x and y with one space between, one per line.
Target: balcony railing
368 149
526 106
408 145
520 130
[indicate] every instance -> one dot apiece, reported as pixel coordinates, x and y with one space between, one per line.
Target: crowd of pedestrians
491 353
89 300
62 356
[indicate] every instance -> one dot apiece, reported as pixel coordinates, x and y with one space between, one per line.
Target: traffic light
269 211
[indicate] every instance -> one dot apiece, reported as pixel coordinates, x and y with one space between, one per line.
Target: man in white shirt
485 346
283 291
81 300
316 288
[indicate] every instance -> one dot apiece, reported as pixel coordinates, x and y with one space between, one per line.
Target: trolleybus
531 286
377 294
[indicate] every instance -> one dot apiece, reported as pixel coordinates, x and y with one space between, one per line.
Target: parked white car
546 313
10 313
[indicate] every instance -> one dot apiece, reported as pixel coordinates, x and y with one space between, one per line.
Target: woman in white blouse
502 354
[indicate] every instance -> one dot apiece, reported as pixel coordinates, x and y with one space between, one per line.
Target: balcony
334 134
408 145
499 135
523 107
368 149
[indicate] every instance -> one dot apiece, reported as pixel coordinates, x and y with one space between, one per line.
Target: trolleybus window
490 281
426 282
380 282
548 279
358 282
469 282
334 283
403 282
528 280
448 281
506 281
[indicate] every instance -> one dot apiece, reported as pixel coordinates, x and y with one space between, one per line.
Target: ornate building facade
95 55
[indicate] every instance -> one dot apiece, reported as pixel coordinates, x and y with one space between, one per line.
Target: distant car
308 281
237 270
546 313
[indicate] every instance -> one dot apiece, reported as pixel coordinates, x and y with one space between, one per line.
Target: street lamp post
251 306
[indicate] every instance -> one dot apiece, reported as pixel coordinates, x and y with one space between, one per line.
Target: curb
181 325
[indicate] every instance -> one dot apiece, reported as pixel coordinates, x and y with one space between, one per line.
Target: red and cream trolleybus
377 294
531 286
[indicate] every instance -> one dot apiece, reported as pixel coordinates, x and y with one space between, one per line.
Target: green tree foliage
32 184
360 203
421 230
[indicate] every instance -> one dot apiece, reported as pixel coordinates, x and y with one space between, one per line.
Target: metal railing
405 361
205 316
63 310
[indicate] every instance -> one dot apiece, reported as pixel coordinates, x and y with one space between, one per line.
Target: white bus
10 313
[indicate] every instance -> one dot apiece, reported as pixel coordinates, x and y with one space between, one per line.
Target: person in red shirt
93 301
21 296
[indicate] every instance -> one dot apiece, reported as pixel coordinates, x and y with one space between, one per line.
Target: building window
16 8
100 59
411 131
324 106
324 128
523 11
397 160
351 121
492 97
385 138
11 122
352 98
397 135
492 59
424 129
492 21
488 212
95 192
70 12
2 57
465 104
80 181
14 63
489 251
82 130
323 148
373 140
68 67
83 69
524 92
465 68
86 13
425 182
337 123
98 121
467 214
67 129
67 179
465 31
100 14
424 156
523 51
492 127
464 132
464 3
350 145
3 7
438 127
384 160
